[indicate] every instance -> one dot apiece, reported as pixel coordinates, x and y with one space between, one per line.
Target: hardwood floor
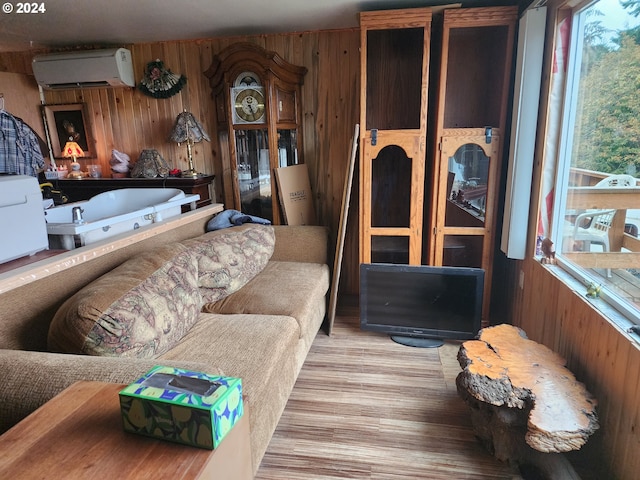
365 407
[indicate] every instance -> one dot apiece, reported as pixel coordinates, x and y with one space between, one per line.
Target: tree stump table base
526 406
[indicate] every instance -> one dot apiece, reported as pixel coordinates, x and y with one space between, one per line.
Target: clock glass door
254 172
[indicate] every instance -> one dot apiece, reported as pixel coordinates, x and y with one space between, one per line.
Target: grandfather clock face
248 99
248 105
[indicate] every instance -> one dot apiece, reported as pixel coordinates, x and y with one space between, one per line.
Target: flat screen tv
421 305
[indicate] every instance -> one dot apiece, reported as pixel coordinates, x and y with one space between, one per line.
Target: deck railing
624 247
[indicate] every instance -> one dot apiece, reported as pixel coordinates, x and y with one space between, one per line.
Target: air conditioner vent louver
85 69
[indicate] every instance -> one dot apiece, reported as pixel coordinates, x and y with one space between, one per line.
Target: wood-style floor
365 407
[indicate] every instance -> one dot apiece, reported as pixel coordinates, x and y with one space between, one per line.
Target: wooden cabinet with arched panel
395 49
472 97
464 218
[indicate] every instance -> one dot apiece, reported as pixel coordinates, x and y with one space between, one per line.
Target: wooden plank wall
127 120
599 354
16 89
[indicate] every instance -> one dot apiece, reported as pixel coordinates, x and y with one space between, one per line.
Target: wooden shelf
393 116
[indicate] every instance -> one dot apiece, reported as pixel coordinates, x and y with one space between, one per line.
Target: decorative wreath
160 82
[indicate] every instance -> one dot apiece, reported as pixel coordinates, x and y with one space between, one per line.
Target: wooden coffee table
78 434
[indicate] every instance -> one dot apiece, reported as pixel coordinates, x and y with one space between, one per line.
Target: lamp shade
187 128
150 164
72 149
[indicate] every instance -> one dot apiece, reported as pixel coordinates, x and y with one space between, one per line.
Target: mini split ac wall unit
84 69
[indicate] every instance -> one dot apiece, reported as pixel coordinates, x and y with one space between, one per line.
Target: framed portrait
67 122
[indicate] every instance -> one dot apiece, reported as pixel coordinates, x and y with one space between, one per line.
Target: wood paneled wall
128 121
601 356
17 89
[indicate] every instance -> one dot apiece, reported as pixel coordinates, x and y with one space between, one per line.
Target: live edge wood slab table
526 406
79 435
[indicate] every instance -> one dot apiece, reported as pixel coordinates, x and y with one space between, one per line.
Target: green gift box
180 406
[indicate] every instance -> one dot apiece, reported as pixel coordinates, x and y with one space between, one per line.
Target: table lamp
73 150
188 129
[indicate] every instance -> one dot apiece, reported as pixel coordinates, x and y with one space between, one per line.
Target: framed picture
67 122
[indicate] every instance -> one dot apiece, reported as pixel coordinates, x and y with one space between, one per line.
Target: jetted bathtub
111 213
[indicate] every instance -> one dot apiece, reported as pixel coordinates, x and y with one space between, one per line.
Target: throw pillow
229 258
140 309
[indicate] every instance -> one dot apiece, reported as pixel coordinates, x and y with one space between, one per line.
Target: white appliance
24 231
88 68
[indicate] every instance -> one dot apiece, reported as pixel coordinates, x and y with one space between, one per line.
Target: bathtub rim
70 228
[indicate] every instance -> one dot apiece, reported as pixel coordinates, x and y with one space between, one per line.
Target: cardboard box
180 406
295 195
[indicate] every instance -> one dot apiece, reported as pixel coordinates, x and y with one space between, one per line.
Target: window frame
624 313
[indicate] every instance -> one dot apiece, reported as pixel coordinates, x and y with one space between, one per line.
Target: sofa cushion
139 309
229 258
50 373
259 349
301 243
294 289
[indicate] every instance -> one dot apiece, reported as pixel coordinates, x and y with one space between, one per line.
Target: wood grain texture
344 215
365 407
395 107
79 435
16 89
504 367
600 354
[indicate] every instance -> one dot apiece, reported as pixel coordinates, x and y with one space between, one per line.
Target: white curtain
554 117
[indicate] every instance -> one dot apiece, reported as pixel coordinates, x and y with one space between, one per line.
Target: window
596 204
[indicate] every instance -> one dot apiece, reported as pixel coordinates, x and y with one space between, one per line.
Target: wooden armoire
434 96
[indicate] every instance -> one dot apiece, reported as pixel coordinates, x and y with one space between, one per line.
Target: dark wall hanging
160 82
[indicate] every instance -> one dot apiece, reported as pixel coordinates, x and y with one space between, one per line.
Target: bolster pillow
231 257
140 309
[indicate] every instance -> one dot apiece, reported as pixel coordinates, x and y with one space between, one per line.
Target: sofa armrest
300 243
30 379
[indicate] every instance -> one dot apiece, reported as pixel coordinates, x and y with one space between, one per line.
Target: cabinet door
392 176
253 172
467 187
474 75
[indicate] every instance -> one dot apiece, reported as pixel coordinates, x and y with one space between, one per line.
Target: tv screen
421 302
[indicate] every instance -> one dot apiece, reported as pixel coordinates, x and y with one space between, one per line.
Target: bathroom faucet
76 215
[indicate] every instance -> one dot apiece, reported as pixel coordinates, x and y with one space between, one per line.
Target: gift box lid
177 386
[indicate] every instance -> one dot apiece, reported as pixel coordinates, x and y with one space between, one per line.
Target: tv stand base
417 342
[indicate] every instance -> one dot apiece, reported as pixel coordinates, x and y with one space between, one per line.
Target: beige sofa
200 303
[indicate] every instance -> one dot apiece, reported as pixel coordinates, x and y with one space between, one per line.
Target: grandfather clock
259 116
